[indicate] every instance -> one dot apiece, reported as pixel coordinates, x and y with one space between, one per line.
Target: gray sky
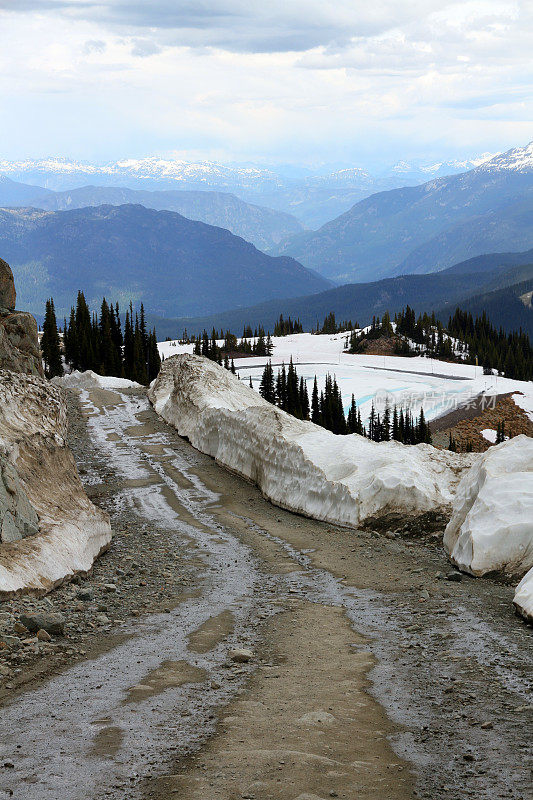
308 82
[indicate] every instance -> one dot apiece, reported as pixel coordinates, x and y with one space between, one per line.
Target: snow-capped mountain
415 170
314 200
351 177
153 172
519 159
425 228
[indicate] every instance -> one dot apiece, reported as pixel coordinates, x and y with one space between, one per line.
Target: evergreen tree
129 357
315 404
50 344
267 388
153 357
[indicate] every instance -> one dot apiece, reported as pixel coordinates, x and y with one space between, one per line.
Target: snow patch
491 528
91 380
523 598
298 465
525 402
490 435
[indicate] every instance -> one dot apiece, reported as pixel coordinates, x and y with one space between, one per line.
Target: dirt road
369 674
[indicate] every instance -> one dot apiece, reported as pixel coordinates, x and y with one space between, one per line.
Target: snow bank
298 465
525 402
523 598
491 528
71 530
91 380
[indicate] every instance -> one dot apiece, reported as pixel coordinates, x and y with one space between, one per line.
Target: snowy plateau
348 479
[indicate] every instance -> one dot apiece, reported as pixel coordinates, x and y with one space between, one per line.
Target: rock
486 726
85 594
18 518
19 343
8 295
109 587
102 619
18 627
43 636
456 577
241 655
51 623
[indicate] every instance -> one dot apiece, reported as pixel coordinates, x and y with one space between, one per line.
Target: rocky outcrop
19 346
49 529
17 515
8 295
52 528
383 346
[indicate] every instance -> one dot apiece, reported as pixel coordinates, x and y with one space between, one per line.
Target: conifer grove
97 342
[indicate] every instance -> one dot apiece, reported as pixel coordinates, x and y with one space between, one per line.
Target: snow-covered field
437 386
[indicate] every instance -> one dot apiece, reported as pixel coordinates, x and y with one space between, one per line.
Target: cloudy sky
306 82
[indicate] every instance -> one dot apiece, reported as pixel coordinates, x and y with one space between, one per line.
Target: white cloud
299 80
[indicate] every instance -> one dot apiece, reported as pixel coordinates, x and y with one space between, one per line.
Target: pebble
110 587
241 655
43 636
456 577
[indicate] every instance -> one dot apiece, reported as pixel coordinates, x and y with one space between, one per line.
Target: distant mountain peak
519 159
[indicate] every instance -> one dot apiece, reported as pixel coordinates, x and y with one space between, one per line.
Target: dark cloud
241 25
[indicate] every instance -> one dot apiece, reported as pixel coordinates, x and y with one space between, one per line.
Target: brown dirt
466 424
297 734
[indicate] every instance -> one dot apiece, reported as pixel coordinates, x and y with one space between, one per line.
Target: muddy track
371 676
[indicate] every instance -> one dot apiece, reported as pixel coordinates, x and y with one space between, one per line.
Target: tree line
209 346
97 342
288 391
510 354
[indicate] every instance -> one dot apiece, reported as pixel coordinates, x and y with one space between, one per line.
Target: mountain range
172 264
264 227
313 199
477 280
420 229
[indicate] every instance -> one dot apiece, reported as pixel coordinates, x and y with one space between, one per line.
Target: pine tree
139 363
84 334
267 388
129 345
153 357
50 344
315 404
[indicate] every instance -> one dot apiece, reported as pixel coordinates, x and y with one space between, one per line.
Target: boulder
51 623
8 294
19 343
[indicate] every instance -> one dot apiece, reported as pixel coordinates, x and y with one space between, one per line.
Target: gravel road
224 648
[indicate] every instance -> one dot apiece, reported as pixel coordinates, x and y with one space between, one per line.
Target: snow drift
56 531
91 380
298 465
491 528
523 598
